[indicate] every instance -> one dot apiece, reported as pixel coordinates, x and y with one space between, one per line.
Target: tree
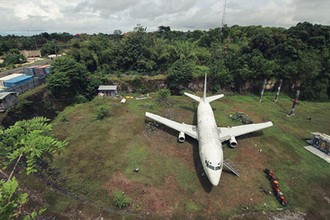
11 201
180 74
164 29
27 143
50 48
137 51
68 78
14 57
117 35
220 77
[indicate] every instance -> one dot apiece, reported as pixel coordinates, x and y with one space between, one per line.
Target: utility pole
278 90
263 90
223 14
295 101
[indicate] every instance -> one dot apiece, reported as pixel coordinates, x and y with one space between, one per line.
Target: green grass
120 143
191 206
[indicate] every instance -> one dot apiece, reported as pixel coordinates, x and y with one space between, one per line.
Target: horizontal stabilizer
213 98
194 97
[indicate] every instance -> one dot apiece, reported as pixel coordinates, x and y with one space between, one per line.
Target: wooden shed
107 90
7 99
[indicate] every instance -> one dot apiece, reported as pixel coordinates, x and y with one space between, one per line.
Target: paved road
20 69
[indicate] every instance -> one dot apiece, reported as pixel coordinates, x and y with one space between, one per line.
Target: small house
7 99
107 90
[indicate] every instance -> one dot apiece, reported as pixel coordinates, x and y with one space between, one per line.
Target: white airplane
209 135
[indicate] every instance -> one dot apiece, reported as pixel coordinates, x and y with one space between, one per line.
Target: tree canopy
233 56
28 142
68 79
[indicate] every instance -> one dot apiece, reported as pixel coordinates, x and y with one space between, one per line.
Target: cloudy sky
94 16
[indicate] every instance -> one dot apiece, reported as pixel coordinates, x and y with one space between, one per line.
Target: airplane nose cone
215 178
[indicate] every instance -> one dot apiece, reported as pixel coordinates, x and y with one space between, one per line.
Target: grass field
102 155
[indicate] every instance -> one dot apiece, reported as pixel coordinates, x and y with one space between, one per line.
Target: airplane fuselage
210 147
209 135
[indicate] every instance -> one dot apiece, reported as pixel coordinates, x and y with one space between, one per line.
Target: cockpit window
211 166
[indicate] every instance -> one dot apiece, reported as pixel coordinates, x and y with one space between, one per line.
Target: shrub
102 112
120 201
81 99
163 94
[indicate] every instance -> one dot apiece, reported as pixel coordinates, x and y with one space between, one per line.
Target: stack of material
29 70
17 81
276 187
9 77
37 71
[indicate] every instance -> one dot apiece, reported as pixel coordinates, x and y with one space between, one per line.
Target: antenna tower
223 14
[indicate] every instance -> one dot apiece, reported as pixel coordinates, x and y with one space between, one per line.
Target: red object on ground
276 186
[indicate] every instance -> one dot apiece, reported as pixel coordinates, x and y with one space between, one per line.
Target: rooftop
19 78
108 87
11 76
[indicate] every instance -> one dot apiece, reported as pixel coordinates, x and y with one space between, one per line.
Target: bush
102 112
120 201
81 99
163 94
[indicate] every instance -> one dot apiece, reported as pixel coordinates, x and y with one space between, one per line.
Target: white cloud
312 11
267 13
47 10
105 16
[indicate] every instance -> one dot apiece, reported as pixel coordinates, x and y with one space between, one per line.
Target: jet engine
181 137
232 142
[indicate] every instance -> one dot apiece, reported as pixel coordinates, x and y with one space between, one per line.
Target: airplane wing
227 133
187 129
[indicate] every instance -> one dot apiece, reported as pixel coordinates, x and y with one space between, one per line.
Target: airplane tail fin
211 98
208 99
205 86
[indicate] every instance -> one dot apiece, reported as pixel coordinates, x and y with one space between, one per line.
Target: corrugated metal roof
18 79
4 94
108 87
